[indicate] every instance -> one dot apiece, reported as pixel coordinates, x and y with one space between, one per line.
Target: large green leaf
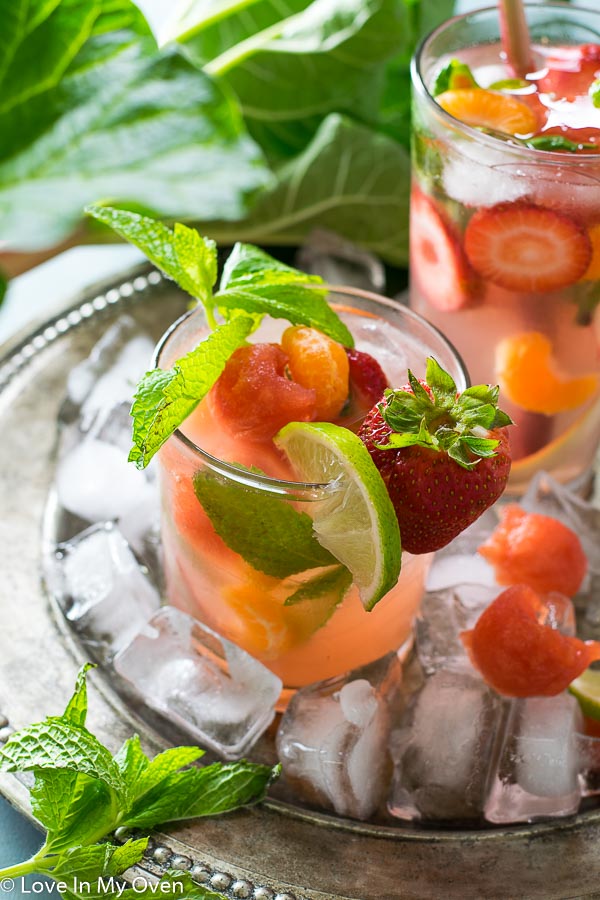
350 179
104 115
292 65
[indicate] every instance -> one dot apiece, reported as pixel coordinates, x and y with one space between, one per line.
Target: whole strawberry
444 457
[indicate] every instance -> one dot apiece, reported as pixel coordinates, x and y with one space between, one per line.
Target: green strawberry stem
437 417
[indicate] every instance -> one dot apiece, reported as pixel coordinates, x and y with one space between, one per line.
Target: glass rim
301 490
552 156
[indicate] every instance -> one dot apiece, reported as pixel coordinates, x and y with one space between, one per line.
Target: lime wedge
587 690
356 522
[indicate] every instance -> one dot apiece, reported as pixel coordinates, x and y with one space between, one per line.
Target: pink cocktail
505 224
319 637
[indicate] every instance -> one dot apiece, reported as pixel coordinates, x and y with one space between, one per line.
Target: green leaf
455 75
54 744
594 92
206 791
293 63
76 710
509 84
89 813
349 179
163 400
3 287
484 447
162 766
557 142
255 282
181 253
90 110
331 585
263 528
441 383
131 760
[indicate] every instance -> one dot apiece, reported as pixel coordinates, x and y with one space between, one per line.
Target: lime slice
357 522
587 690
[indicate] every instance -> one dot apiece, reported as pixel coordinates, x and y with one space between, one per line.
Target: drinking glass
318 637
458 171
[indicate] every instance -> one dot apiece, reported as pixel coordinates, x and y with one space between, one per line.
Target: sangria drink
228 557
505 223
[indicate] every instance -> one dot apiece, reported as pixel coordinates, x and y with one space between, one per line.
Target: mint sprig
436 417
263 528
253 285
255 282
180 252
164 399
82 793
454 76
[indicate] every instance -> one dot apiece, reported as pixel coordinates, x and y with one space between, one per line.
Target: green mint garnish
454 76
253 284
509 84
181 253
594 92
557 142
332 585
82 793
441 420
263 528
164 399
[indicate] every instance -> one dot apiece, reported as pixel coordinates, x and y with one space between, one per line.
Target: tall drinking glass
319 637
537 336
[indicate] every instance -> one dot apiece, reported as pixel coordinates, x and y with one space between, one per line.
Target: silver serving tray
277 851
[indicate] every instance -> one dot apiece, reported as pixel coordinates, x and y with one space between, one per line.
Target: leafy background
258 120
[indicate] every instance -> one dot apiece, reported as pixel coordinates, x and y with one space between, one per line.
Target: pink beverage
505 224
319 637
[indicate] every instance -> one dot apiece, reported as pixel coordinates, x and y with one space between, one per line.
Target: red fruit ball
520 657
255 397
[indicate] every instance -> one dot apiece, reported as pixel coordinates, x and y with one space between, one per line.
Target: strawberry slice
523 247
437 259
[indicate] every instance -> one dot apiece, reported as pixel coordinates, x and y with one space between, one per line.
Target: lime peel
586 688
356 522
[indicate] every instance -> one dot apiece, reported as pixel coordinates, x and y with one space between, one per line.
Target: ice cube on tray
333 739
102 587
201 682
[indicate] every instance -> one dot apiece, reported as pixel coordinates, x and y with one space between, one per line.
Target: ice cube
332 741
442 749
338 261
203 683
474 174
108 376
95 482
442 617
536 775
102 587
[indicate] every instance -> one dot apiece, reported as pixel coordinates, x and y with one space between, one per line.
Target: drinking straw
515 37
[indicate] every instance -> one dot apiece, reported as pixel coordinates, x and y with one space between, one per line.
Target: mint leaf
332 584
194 792
166 763
163 400
76 710
263 528
181 253
55 744
255 282
455 75
90 862
131 760
557 142
594 92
